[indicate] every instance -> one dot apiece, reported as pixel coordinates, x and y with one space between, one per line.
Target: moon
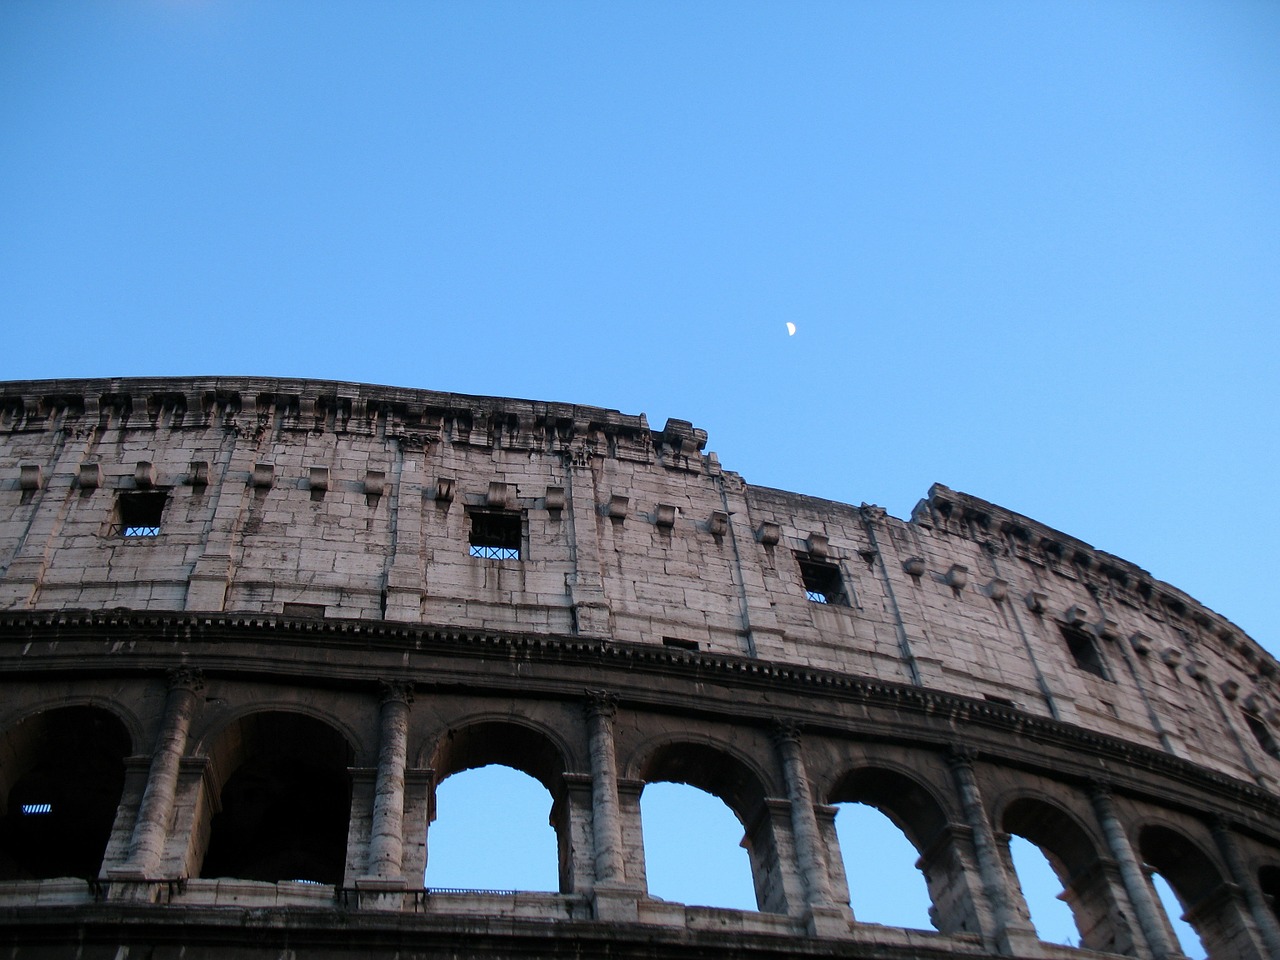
791 329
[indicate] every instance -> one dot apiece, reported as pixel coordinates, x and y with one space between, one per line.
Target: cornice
981 723
413 417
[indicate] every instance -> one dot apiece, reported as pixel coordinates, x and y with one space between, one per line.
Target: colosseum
249 625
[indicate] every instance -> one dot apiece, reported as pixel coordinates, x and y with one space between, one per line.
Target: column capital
1100 789
395 691
785 730
960 756
600 703
185 678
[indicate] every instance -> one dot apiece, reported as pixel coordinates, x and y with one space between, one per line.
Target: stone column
386 837
607 828
151 828
1263 918
824 918
606 819
1011 932
1150 915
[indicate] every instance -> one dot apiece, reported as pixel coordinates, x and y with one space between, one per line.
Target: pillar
825 919
385 860
1150 915
1263 919
1011 931
612 898
606 823
151 828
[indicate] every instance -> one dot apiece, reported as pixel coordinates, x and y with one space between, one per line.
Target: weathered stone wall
356 498
968 671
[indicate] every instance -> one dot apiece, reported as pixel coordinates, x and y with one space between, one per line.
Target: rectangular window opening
303 610
1263 735
680 643
496 534
138 514
822 582
1084 650
36 809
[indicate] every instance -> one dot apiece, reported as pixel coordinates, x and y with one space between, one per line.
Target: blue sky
1030 250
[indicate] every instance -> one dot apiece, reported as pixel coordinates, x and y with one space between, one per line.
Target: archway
919 817
1195 882
881 869
497 760
727 778
1269 883
1072 855
492 831
693 848
285 801
61 776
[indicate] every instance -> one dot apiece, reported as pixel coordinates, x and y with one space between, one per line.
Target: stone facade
336 595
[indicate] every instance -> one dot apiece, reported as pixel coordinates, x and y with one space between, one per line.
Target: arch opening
916 816
1269 883
726 778
497 759
693 848
61 777
1043 893
1059 865
1188 885
492 830
285 801
882 869
1184 934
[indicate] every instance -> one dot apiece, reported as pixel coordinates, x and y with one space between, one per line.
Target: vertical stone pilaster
212 573
917 671
1151 919
586 584
1012 933
155 812
404 581
762 631
385 860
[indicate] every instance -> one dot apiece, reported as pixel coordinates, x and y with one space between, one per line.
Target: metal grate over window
138 514
496 534
822 582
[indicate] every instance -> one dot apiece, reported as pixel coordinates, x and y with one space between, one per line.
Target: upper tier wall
295 497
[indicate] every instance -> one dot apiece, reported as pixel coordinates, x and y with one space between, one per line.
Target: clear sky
1031 250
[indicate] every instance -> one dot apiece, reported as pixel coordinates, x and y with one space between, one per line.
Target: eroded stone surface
298 548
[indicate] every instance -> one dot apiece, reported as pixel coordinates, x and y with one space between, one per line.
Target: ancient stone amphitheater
247 626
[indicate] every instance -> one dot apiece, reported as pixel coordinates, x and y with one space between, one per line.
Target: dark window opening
304 610
1084 650
138 514
1003 701
822 582
495 534
1262 734
680 643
